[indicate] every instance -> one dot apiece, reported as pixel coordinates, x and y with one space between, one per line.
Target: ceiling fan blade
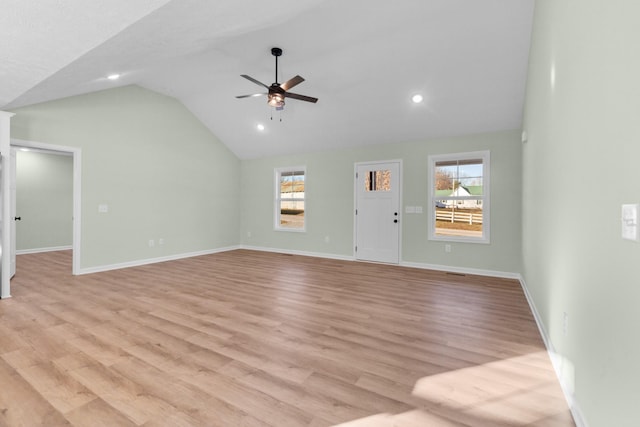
251 79
252 95
291 82
300 97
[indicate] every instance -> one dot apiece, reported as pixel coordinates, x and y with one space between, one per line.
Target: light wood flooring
246 338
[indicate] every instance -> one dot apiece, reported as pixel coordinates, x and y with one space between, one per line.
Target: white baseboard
154 260
562 366
301 253
437 267
40 250
462 270
208 252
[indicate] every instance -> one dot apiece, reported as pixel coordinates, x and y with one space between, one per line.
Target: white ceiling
363 59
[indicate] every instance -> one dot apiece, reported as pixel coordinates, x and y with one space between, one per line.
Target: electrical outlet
161 241
327 239
565 323
152 243
248 234
447 248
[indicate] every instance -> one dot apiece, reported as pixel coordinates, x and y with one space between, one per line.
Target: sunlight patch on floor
517 391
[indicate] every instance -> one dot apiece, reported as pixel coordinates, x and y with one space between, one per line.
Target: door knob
395 221
17 218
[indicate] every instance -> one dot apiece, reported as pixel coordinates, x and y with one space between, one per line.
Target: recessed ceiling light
260 127
113 76
417 98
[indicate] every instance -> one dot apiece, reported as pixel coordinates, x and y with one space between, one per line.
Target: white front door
378 211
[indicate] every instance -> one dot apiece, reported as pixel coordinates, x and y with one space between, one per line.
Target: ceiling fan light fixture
417 98
276 100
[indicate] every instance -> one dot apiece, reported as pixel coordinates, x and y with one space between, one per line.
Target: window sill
292 230
460 239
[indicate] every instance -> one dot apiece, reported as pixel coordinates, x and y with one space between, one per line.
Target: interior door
12 189
378 212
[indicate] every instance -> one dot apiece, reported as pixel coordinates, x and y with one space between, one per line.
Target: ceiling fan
278 92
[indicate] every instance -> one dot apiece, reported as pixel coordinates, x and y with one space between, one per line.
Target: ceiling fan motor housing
276 88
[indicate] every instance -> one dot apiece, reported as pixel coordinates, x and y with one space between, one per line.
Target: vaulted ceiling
363 59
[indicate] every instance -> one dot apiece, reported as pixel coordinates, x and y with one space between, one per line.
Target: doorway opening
75 154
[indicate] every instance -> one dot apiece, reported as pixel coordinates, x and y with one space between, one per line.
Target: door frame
76 154
355 205
5 194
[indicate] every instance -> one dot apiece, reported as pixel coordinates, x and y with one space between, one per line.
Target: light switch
409 209
103 208
418 209
630 222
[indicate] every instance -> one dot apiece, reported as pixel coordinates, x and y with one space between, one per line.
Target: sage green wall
158 168
579 166
330 201
44 200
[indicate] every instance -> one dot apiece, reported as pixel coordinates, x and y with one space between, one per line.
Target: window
459 197
289 203
379 180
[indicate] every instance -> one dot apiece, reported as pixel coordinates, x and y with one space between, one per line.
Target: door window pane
379 180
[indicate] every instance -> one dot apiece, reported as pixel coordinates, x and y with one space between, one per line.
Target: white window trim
276 198
486 196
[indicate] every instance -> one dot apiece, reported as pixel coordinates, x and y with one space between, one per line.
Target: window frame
485 155
278 199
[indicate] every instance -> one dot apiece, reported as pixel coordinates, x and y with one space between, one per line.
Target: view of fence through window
458 196
291 199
